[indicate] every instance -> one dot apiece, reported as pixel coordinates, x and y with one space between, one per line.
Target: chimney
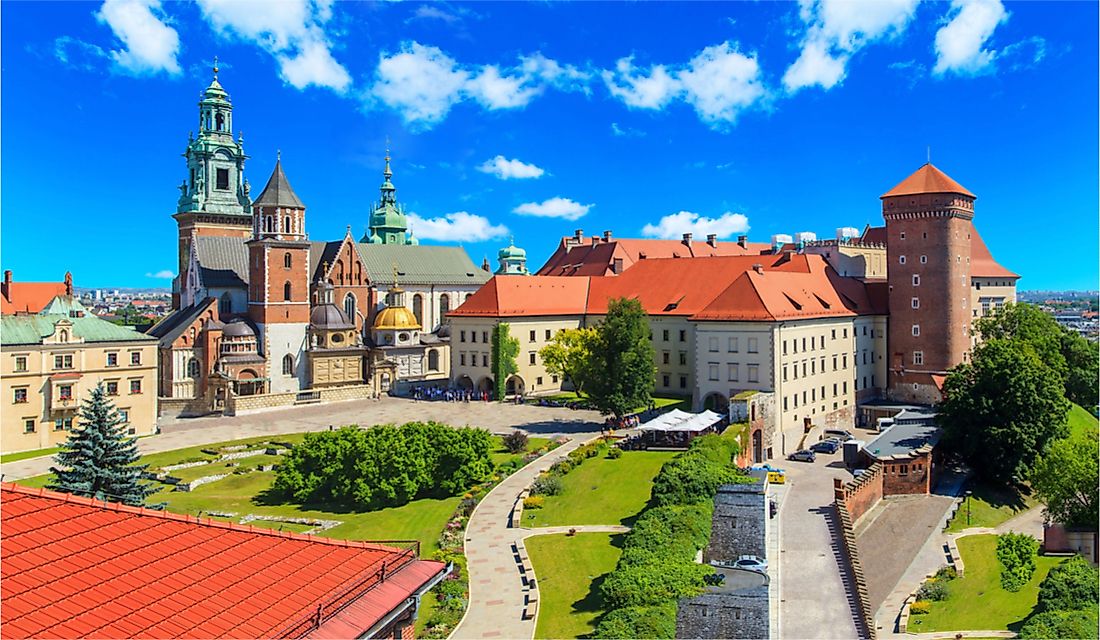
595 240
7 281
578 236
687 239
607 236
743 241
759 268
712 239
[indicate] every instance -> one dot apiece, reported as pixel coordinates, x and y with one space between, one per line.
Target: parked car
752 563
804 455
840 434
829 445
764 466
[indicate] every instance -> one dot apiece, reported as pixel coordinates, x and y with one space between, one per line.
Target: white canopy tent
682 421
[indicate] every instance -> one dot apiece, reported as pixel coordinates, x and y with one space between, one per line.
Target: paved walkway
497 592
525 533
177 433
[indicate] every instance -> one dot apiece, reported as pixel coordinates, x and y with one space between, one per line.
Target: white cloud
150 45
836 30
675 225
625 132
505 169
164 274
460 226
563 208
719 82
959 43
433 12
423 83
290 30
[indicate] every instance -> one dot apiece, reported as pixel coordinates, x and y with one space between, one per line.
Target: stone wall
861 494
850 553
239 404
743 614
740 522
183 407
843 418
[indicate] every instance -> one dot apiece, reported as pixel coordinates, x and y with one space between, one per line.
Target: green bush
639 622
615 453
1016 553
933 590
920 607
515 442
695 475
1073 625
546 485
384 466
1070 585
653 584
533 502
562 467
947 573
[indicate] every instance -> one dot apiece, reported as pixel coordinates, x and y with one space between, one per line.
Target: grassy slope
977 600
602 491
569 570
23 455
990 506
1081 420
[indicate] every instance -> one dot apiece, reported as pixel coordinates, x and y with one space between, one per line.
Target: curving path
578 528
497 591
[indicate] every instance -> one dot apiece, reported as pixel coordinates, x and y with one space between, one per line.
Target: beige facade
989 294
674 352
45 384
866 261
471 356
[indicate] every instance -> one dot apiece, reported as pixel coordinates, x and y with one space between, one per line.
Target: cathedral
262 311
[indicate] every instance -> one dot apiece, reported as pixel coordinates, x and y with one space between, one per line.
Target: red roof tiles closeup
927 179
76 567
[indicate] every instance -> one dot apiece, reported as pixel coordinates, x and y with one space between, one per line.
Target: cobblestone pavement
817 594
177 433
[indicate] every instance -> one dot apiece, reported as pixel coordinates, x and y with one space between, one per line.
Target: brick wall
743 614
861 494
843 418
909 476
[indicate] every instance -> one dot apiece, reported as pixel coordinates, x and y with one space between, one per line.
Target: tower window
901 259
924 259
916 303
286 292
286 260
223 178
288 365
286 224
219 120
916 330
918 357
916 280
902 235
349 307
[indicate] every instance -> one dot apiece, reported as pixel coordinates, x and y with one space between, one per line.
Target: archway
716 402
514 385
465 383
433 360
486 385
757 447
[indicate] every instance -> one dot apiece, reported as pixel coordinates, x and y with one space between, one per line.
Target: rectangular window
813 342
813 367
28 425
712 344
20 363
462 336
864 329
538 380
485 337
664 335
484 359
531 338
665 357
803 368
844 361
65 392
554 379
63 362
462 359
916 280
531 358
135 357
713 370
844 387
112 387
924 259
664 381
683 357
918 357
901 259
916 330
135 386
784 373
916 303
753 345
734 369
803 344
683 335
845 330
19 396
834 362
683 382
834 390
732 347
548 334
784 403
813 395
223 179
754 373
124 414
834 334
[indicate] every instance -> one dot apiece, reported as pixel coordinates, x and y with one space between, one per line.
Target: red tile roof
28 297
717 288
76 567
927 179
598 258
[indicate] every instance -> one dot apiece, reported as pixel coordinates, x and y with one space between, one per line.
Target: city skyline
505 121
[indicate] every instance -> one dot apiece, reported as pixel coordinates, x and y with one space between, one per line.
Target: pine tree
98 459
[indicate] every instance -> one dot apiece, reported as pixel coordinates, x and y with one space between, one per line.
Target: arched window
349 307
193 368
268 224
64 336
286 292
433 360
286 224
225 304
418 308
286 260
444 306
220 120
288 365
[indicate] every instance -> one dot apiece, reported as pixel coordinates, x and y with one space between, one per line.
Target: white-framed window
63 361
732 346
135 357
20 363
19 395
111 387
901 259
713 371
124 414
916 280
902 235
753 345
28 425
712 344
918 357
916 303
732 374
754 373
916 330
135 386
924 259
288 365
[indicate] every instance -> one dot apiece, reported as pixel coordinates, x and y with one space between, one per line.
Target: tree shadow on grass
592 602
1012 496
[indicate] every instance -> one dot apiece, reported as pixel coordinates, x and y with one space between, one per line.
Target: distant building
51 361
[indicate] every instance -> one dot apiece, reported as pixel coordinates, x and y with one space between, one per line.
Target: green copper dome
511 251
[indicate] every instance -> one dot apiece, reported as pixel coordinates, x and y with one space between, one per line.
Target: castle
262 311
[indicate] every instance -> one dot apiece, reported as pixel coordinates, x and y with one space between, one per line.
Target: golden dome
396 318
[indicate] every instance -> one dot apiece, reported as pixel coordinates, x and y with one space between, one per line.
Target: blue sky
531 120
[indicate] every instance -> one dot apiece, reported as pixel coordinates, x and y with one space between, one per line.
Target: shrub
562 467
641 585
466 507
1062 624
547 485
933 590
695 475
515 442
920 607
639 622
1016 553
615 453
947 573
1070 585
533 502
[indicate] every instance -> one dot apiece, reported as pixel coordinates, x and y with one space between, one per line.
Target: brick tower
214 198
928 226
278 281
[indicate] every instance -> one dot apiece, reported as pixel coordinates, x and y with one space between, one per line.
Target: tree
623 356
1002 409
97 461
515 442
1016 553
569 355
1071 625
1065 479
1070 585
503 350
1083 363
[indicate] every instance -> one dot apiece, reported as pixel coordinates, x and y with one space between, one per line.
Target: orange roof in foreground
718 288
598 259
75 567
927 179
29 297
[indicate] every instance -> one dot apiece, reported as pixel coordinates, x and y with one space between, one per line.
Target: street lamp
968 494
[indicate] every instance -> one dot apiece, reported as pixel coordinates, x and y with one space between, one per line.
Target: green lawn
977 600
23 455
602 491
991 505
677 402
569 570
1081 420
500 455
